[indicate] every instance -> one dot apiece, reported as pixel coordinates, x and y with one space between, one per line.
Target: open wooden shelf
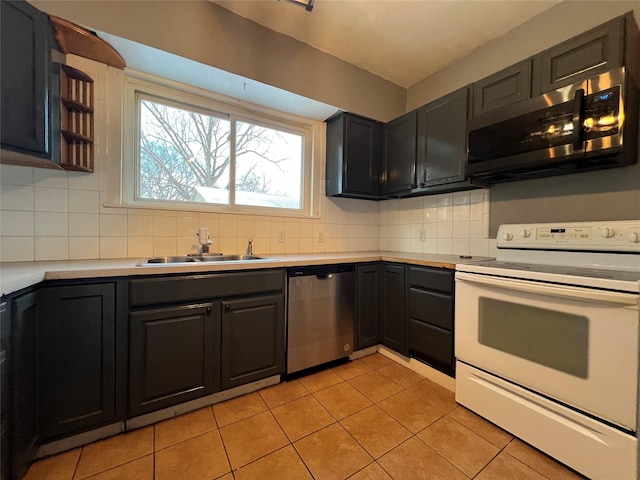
76 120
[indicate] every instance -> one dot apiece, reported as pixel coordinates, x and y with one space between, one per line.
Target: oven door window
552 338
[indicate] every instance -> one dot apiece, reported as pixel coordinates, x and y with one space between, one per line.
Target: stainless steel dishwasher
320 315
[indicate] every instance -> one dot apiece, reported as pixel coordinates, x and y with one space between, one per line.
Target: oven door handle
584 294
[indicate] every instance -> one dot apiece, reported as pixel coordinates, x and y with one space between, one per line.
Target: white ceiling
402 41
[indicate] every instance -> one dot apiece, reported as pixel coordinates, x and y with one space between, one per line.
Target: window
192 152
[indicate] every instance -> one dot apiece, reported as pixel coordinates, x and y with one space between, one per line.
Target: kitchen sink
215 258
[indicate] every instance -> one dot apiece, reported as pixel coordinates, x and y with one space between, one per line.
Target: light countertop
15 276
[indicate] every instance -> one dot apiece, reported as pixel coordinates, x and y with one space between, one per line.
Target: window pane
184 155
268 167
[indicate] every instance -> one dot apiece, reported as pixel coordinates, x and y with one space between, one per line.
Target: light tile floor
367 419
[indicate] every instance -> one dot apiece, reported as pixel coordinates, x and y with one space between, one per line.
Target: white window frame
313 133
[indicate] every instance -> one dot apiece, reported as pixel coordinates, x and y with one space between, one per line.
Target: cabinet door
174 356
24 390
24 74
399 172
354 152
368 309
595 51
505 87
392 295
442 139
77 332
5 384
252 339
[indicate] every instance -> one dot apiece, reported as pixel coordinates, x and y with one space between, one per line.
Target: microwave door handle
577 137
574 293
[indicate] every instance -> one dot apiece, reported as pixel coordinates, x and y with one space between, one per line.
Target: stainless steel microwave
588 125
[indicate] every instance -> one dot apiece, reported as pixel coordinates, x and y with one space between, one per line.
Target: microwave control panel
595 236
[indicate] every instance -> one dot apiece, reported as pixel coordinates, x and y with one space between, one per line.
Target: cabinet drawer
432 279
431 307
153 291
431 344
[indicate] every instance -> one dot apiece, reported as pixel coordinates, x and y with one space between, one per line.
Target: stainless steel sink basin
189 259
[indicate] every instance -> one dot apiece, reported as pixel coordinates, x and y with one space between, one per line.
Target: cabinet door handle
209 310
227 308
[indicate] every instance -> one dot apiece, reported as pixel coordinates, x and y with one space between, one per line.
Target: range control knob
634 237
525 233
607 232
507 236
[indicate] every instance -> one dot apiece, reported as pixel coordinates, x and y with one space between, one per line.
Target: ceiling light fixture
307 4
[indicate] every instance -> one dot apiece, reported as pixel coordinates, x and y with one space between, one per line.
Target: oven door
573 344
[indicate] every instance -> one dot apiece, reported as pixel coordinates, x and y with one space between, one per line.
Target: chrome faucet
250 248
204 239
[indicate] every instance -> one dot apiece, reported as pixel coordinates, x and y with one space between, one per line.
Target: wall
57 215
212 35
590 196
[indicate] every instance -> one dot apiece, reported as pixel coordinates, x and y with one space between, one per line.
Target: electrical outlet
320 236
281 236
422 235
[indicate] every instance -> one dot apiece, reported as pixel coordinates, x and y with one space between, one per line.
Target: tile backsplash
44 215
58 215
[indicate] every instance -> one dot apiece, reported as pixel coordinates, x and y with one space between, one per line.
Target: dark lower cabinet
80 364
368 317
252 339
23 386
430 320
174 356
392 298
5 403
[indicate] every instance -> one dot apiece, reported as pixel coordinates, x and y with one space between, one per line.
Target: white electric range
547 341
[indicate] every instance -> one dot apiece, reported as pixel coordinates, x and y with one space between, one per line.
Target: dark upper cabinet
506 87
392 294
28 85
23 384
354 152
174 356
442 139
583 56
368 318
399 166
426 149
81 367
430 320
252 339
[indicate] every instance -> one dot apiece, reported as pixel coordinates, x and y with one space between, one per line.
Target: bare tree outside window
185 156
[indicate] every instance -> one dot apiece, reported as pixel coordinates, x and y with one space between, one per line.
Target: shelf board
75 137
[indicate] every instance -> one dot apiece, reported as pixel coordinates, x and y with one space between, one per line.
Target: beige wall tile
113 247
16 223
17 197
113 226
84 201
52 248
51 224
51 199
84 225
17 249
84 248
